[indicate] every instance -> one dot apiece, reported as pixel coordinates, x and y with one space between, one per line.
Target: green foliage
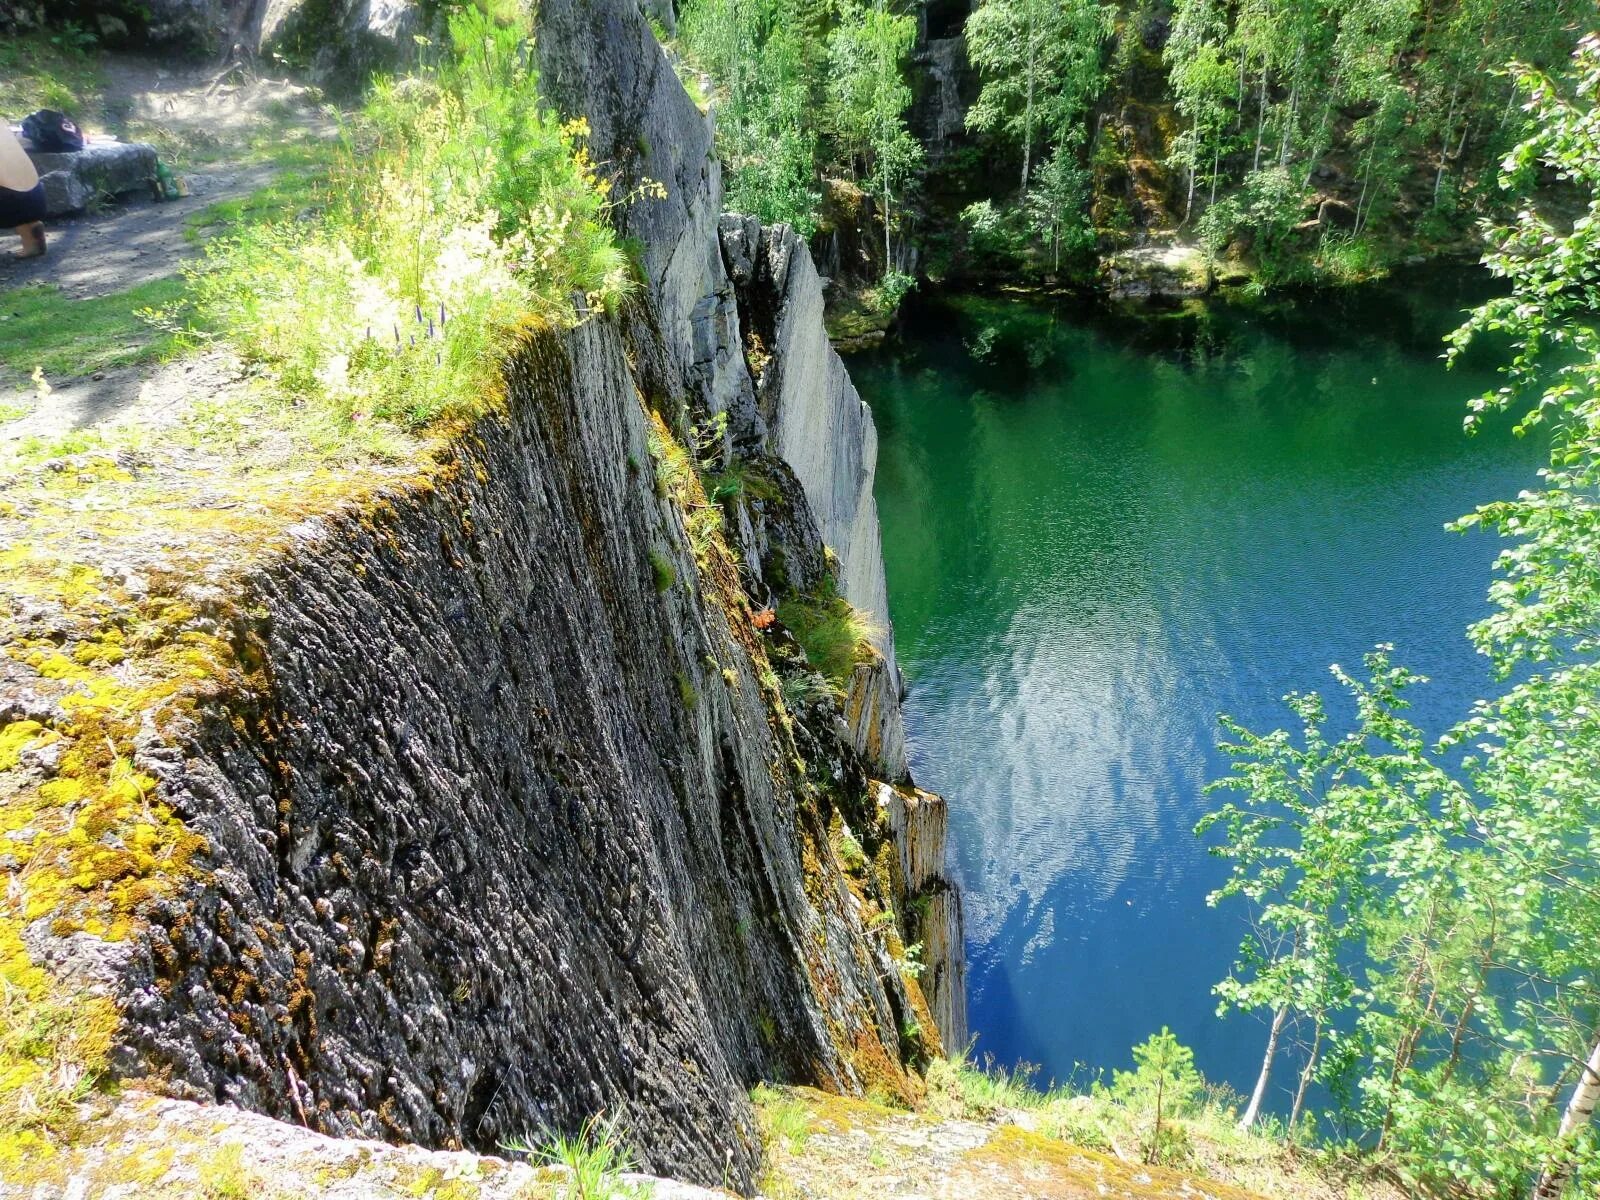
996 232
988 1088
766 57
296 190
461 214
835 635
1039 61
48 69
867 95
891 290
662 572
687 692
1349 258
806 87
1434 907
1162 1086
43 327
784 1120
851 856
1272 86
596 1157
1040 65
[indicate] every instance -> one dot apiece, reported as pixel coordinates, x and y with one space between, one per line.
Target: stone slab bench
99 170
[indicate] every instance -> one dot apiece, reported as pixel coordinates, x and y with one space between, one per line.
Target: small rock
46 759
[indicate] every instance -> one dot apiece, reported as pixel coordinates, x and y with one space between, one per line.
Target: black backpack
52 132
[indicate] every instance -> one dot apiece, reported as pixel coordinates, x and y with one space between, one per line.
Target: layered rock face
517 822
918 822
511 837
822 428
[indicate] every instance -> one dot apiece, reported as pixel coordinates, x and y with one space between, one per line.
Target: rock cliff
508 808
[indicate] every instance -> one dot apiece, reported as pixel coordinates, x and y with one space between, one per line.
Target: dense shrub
460 213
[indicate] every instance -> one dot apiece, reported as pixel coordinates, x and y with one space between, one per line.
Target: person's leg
25 212
33 243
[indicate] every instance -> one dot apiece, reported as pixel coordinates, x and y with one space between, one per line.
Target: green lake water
1103 530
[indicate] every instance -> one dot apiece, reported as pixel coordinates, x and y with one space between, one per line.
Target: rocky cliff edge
453 802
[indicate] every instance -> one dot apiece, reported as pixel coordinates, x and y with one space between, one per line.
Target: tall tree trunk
1306 1073
1261 114
1238 109
1407 1043
1553 1179
1444 138
1294 110
1188 203
888 261
1321 142
1366 183
1027 113
1253 1109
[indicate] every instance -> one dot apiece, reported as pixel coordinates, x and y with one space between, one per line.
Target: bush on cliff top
460 214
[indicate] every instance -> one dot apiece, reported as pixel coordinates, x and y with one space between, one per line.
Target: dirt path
222 140
133 242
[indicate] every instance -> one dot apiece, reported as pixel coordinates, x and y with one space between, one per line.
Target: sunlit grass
41 326
48 71
835 634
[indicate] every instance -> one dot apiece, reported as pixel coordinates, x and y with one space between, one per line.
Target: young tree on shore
1040 65
1476 1037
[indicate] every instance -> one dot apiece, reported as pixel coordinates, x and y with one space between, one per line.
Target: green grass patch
784 1119
283 199
38 70
662 570
596 1158
835 635
41 326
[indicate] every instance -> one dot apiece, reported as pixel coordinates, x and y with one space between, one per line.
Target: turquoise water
1102 531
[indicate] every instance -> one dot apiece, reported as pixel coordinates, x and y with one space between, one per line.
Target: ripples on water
1100 536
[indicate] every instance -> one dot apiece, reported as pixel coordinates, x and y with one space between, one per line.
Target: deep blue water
1101 531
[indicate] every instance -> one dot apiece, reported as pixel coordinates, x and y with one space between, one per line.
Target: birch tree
1476 859
1039 61
869 99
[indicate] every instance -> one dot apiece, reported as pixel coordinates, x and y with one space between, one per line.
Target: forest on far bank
1305 139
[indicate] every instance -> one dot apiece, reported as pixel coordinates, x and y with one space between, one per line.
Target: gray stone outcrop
509 837
919 822
100 171
822 428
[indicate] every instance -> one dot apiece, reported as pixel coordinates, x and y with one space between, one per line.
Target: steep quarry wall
918 822
739 324
821 427
508 815
509 836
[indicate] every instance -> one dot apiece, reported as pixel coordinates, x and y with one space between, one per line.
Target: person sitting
22 204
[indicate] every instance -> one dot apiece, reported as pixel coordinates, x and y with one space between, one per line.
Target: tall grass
459 214
835 635
594 1159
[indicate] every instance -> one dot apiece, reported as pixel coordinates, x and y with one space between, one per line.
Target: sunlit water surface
1101 532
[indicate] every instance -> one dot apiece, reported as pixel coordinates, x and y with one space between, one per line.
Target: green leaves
1461 881
1163 1085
